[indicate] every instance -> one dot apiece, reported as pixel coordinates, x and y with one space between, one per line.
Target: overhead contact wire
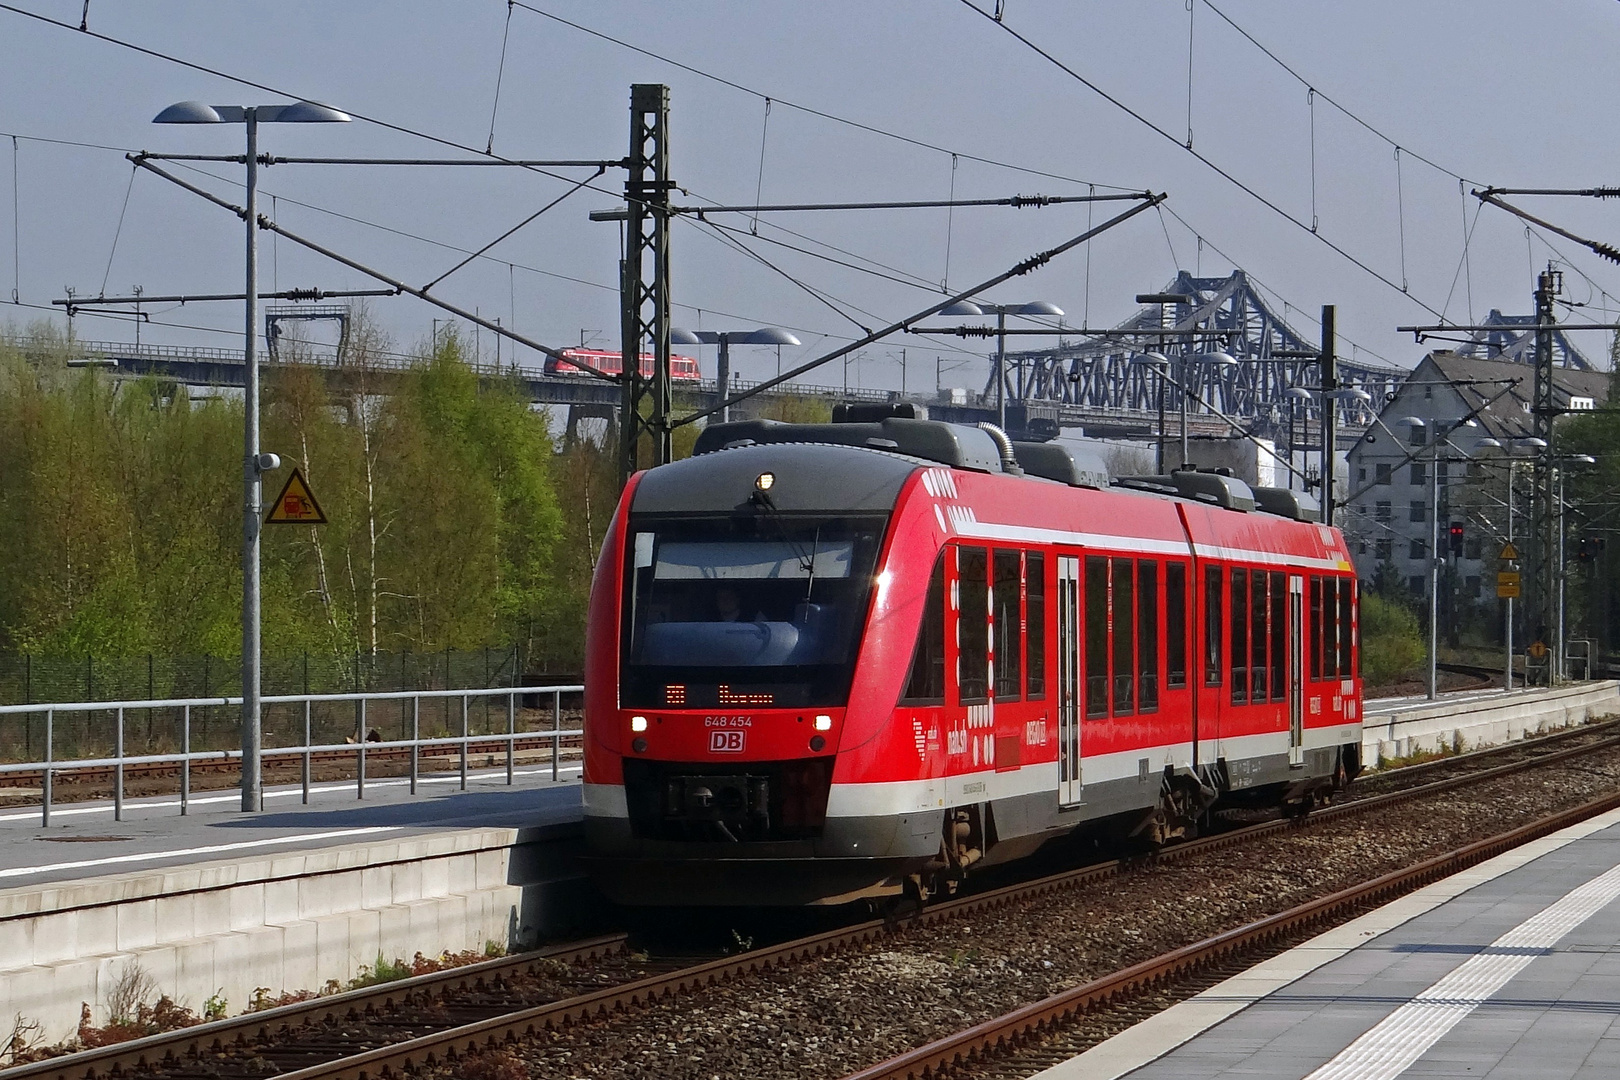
1209 163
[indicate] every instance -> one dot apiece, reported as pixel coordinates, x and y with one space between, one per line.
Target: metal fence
297 726
26 678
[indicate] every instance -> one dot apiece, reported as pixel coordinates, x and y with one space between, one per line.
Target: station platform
1508 969
222 904
83 840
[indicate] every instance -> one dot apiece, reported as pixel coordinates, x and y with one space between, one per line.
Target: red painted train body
681 368
827 662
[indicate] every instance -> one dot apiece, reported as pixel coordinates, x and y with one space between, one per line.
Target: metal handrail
306 749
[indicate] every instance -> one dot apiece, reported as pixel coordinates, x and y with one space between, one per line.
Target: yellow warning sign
1537 649
1507 584
295 505
1509 552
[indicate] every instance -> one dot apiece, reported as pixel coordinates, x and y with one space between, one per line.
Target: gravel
832 1015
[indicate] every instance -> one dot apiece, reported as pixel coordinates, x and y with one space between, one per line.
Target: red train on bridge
681 368
841 661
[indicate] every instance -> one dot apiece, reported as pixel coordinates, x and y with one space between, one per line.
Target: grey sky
1504 93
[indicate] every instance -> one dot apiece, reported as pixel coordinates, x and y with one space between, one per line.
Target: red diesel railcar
827 662
681 368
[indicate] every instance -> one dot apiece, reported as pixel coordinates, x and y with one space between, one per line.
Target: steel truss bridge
1226 314
1096 384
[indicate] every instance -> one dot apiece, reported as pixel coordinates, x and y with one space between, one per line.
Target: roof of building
1477 381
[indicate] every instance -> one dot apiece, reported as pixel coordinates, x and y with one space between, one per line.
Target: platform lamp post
1435 463
1310 393
1001 311
254 463
1492 443
1162 299
1157 361
764 335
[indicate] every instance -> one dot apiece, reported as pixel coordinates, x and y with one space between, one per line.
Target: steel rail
169 1046
1013 1030
450 1044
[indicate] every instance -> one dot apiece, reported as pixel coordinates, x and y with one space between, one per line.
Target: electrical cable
500 73
759 182
485 249
1400 215
16 229
119 231
1310 104
1202 158
1325 97
1191 8
808 110
916 282
950 225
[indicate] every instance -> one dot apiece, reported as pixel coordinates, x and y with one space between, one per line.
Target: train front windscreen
745 611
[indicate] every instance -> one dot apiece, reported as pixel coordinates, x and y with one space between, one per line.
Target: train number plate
727 742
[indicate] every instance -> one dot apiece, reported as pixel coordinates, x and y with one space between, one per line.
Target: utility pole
1543 408
1330 434
644 281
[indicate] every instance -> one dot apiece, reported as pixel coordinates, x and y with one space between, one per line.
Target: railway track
433 1022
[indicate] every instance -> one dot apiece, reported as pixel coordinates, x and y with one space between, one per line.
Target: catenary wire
1247 189
119 231
808 110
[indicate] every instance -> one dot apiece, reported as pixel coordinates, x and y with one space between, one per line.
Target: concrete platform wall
1499 718
286 921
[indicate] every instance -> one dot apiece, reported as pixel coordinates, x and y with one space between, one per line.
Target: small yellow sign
1507 584
295 505
1509 552
1537 649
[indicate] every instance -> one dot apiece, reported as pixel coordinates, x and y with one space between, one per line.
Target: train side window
1009 628
1096 637
1175 625
1279 634
1214 632
1122 606
926 683
1330 635
1034 625
1147 633
1315 643
1346 606
972 625
1257 636
1240 636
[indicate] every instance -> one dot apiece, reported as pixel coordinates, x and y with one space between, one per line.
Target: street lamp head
1488 443
1354 393
765 335
1220 358
962 307
1151 359
681 336
1531 442
305 112
1299 393
1581 459
1035 307
189 112
1413 421
299 112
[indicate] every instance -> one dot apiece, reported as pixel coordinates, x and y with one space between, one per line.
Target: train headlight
823 722
765 481
638 723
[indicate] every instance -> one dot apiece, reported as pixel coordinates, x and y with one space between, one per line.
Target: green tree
1391 640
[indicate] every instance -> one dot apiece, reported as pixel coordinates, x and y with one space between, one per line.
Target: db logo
727 742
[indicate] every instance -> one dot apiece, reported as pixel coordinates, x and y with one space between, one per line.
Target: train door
1296 689
1068 634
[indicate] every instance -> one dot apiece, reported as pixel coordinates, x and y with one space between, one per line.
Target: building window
1418 511
1442 472
1418 433
1417 549
1361 474
1420 474
1381 511
1415 583
1471 548
1381 473
1383 549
